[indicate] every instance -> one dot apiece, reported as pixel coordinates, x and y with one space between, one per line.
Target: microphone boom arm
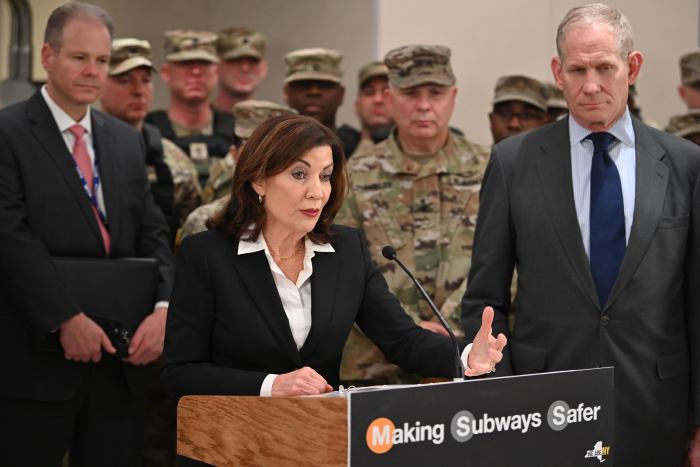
390 253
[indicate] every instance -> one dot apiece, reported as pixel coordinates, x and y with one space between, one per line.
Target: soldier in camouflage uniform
242 67
519 104
313 87
419 192
370 105
248 114
127 95
191 73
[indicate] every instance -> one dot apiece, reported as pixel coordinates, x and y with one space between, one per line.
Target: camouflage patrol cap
317 64
235 43
690 68
684 125
184 45
555 97
372 70
129 53
251 113
412 65
521 88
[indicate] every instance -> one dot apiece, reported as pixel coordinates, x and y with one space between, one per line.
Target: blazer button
604 320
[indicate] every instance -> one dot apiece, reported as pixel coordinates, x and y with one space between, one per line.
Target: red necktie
82 159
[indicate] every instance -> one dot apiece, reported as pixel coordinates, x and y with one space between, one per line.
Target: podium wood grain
279 431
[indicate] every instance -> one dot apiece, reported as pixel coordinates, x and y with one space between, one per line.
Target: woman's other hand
302 382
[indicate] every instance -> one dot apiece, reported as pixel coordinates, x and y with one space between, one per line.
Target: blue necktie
607 234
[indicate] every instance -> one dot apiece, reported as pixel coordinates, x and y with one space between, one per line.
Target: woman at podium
264 301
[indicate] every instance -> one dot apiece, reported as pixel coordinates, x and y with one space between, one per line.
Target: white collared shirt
64 122
623 154
295 298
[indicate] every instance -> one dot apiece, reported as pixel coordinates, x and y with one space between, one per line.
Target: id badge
199 151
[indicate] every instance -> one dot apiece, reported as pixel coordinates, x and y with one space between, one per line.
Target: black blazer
44 212
227 329
650 328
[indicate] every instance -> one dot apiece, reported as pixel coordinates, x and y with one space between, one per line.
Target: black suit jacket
227 329
649 330
44 212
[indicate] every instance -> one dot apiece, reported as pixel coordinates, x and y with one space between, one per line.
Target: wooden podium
230 430
566 418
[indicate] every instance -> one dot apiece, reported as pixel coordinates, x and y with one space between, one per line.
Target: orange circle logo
380 435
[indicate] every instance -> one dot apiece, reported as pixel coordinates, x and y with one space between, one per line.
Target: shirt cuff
266 387
161 304
465 356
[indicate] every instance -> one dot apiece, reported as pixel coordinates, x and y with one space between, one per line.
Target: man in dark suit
600 215
72 184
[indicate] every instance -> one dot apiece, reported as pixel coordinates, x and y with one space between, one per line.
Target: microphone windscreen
389 252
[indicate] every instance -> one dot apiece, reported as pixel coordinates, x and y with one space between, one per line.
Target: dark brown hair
275 145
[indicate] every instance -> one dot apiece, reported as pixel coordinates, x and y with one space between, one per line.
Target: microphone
389 252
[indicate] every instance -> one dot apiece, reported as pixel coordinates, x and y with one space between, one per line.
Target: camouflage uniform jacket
196 221
428 213
187 189
220 179
364 146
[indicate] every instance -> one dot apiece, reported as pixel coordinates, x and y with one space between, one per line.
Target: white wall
342 25
498 37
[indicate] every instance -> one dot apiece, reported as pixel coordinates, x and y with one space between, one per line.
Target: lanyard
91 194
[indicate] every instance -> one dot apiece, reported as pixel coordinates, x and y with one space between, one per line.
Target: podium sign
561 418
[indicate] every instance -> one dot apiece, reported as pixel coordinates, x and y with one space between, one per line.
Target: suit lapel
554 169
106 157
323 283
650 190
49 136
254 271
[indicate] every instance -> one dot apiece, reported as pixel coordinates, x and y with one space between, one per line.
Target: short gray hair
597 13
53 34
